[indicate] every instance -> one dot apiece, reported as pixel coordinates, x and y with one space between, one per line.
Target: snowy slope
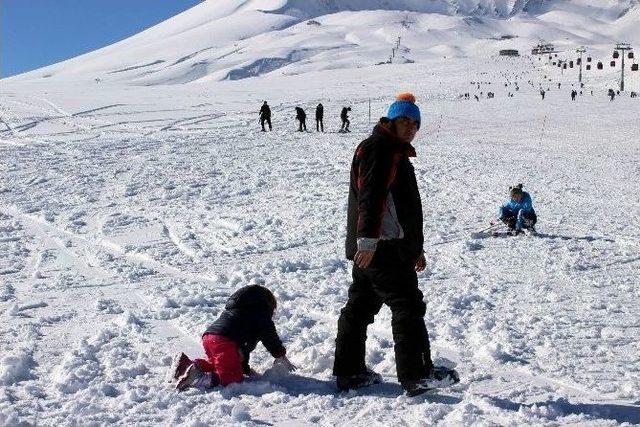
233 39
127 215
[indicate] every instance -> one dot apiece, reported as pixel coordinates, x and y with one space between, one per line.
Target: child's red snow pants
223 357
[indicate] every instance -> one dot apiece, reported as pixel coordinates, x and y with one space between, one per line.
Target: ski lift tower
621 49
580 50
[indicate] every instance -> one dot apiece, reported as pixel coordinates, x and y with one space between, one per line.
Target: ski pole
491 227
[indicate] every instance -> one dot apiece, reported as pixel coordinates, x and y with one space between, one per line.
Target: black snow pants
266 119
397 287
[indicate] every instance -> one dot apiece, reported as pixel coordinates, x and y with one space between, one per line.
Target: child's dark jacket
247 320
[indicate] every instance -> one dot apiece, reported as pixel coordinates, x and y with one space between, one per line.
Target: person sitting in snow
228 342
518 213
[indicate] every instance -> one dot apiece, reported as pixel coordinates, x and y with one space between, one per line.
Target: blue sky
35 33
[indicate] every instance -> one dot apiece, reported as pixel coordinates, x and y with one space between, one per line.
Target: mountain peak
235 39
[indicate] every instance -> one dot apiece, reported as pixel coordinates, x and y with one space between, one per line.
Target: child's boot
191 377
179 365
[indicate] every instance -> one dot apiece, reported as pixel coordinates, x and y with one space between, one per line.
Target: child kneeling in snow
518 213
246 319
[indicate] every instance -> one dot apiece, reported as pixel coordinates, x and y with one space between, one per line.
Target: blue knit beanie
405 106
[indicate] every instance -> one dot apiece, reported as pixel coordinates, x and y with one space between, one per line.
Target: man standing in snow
319 118
385 241
301 117
344 116
265 116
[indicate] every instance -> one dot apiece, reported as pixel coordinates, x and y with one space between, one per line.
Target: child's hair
273 303
516 189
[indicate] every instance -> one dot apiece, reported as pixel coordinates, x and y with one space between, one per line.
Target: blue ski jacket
517 209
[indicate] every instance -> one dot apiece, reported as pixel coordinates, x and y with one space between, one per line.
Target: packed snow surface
129 213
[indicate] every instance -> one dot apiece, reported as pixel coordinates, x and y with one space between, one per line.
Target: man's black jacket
265 111
383 195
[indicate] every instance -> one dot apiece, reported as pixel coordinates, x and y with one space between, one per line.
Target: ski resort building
509 52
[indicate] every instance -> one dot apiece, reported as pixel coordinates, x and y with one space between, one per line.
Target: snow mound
16 366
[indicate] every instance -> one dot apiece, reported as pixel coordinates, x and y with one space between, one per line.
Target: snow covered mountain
236 39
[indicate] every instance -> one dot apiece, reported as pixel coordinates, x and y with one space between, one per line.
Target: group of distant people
301 118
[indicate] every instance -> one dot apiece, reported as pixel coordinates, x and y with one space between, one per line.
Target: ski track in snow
128 217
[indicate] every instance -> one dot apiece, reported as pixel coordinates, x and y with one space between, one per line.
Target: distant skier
518 213
344 116
385 241
228 342
265 116
542 93
574 93
301 117
319 118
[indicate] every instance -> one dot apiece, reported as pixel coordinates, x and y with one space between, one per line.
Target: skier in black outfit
301 116
385 241
265 116
319 118
344 115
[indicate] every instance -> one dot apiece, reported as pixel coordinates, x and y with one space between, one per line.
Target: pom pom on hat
406 96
